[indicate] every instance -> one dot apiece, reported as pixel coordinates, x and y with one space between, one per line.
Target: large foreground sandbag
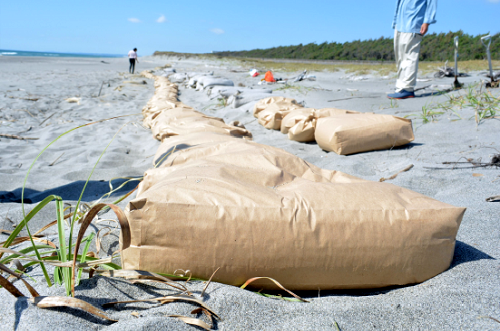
254 210
355 133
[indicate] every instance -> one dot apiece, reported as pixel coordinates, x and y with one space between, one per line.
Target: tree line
435 47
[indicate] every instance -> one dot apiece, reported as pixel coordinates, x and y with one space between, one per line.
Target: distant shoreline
11 53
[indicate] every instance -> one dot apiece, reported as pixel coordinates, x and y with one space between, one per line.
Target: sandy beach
44 97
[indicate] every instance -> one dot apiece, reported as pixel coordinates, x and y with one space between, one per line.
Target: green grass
43 254
484 103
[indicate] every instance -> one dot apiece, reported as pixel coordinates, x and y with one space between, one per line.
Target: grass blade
208 283
24 223
52 302
192 321
33 292
10 287
275 282
61 252
85 186
83 257
167 299
85 224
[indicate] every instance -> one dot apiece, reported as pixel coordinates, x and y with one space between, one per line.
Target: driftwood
13 136
396 174
495 162
446 71
495 198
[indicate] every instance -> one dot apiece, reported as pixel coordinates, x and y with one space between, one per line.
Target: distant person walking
132 57
410 24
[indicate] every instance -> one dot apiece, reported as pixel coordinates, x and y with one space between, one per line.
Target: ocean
5 52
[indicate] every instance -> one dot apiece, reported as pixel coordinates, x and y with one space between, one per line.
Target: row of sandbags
214 200
166 116
218 87
335 130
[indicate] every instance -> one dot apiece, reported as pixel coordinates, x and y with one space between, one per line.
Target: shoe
401 95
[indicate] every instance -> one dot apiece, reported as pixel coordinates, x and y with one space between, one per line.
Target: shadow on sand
71 191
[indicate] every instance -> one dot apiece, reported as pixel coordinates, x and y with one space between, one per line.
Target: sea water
5 52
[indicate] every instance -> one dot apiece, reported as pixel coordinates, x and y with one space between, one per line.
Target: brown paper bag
300 124
355 133
173 127
303 131
255 210
296 116
264 103
271 116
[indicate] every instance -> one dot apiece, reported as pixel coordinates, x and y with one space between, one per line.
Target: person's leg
409 51
397 54
130 66
133 66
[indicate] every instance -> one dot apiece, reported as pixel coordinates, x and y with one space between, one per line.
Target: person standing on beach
132 57
411 22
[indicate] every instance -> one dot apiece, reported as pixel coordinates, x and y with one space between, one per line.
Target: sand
460 298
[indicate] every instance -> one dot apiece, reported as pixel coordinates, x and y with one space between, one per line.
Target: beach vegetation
429 114
485 104
69 263
296 88
435 47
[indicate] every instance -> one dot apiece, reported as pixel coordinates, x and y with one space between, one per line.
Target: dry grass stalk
52 302
208 283
192 321
167 299
277 284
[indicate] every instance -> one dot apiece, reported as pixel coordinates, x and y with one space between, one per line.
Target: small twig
494 319
396 174
100 89
13 136
50 165
244 124
46 119
27 130
373 97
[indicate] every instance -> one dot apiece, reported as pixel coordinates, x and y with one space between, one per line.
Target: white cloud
217 31
494 1
161 19
134 20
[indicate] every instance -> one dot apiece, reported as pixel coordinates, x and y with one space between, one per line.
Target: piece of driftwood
495 198
13 136
396 174
495 162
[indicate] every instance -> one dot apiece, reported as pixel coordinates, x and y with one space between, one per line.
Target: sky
200 26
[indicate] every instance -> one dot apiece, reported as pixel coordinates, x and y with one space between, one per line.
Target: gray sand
459 298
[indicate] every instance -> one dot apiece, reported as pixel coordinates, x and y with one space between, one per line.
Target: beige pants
407 50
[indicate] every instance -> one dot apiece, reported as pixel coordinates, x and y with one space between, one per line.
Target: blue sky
114 27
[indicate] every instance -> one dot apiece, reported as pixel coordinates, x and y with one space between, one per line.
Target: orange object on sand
269 77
